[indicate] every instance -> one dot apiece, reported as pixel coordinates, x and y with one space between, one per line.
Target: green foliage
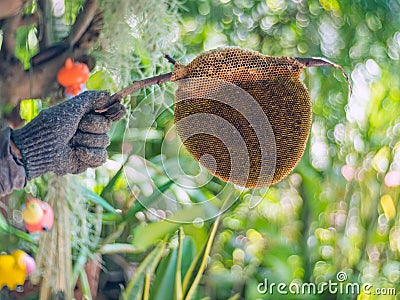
30 108
135 288
98 200
159 230
26 44
100 80
165 277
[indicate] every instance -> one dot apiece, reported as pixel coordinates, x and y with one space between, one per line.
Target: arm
12 171
67 138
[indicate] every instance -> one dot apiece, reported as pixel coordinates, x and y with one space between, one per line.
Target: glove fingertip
93 157
94 123
116 112
97 99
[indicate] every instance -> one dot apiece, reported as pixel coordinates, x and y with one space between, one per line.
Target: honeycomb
244 116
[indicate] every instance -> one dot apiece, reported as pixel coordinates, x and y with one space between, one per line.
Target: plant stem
178 275
137 85
323 62
146 291
207 251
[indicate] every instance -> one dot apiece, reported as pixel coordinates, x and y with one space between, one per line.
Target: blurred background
337 212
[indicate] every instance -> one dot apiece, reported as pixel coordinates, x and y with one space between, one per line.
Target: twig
141 84
135 87
169 58
323 62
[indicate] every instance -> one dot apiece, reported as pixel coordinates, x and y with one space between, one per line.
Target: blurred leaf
146 291
21 234
3 223
164 118
110 217
96 199
144 202
118 248
26 44
199 234
164 280
85 285
178 293
100 81
388 206
193 286
142 53
30 108
142 239
165 277
135 287
30 8
79 264
110 185
330 5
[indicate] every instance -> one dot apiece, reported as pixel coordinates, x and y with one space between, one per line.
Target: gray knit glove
69 137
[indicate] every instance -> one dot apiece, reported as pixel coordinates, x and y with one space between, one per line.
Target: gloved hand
69 137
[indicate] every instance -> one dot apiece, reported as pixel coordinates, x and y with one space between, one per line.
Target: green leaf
144 202
30 108
26 44
96 199
21 234
117 248
85 285
108 188
206 252
199 235
110 217
164 281
135 287
164 118
100 81
79 265
165 277
3 223
178 293
142 238
188 254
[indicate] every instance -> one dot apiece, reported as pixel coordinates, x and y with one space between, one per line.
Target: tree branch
141 84
137 85
44 40
323 62
10 8
88 39
82 22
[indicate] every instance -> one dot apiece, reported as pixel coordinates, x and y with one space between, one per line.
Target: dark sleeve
12 172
